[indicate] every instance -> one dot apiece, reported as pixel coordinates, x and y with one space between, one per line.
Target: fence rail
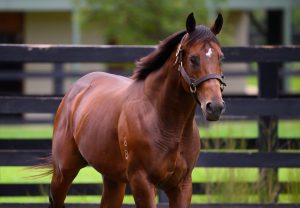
207 159
236 106
129 54
269 106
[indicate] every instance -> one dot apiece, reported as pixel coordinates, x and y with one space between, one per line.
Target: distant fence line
269 106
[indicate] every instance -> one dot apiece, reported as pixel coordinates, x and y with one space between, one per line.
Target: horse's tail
45 167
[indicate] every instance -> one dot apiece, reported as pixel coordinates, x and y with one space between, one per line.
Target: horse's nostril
209 108
214 110
215 107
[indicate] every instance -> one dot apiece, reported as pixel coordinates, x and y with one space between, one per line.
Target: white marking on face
209 53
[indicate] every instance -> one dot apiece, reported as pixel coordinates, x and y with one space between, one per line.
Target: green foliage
141 22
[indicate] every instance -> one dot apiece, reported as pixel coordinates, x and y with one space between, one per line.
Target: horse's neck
174 105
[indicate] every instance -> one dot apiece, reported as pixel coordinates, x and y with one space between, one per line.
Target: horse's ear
216 28
190 23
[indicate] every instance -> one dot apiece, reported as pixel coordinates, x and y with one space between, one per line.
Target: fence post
58 78
269 86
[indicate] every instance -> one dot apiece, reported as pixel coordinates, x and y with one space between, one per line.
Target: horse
141 130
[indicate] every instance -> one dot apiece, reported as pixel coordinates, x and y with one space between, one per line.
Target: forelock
201 33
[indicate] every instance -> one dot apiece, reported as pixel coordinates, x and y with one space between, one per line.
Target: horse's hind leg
67 161
59 187
113 194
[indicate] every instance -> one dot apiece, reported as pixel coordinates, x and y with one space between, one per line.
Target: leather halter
194 83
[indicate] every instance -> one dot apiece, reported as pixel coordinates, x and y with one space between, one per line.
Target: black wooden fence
269 106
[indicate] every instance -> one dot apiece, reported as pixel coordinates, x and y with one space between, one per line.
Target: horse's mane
159 56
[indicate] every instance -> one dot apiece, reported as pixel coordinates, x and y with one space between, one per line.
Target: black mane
159 56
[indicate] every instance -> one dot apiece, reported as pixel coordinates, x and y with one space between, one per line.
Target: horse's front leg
181 195
143 190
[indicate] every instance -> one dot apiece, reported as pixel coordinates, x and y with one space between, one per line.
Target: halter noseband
194 83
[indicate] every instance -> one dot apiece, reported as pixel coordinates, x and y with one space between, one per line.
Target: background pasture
236 166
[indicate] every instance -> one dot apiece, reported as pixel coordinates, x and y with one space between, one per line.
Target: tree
141 21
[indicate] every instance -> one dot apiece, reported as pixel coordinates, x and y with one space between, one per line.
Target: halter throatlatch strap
192 82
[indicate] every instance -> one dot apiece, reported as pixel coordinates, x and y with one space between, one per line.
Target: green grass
247 129
217 194
69 199
26 175
289 129
294 85
224 129
289 175
226 193
211 175
243 129
252 81
292 82
89 175
26 131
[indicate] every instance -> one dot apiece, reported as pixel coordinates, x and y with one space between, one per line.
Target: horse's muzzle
214 109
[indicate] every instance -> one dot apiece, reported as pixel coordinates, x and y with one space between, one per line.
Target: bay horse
141 130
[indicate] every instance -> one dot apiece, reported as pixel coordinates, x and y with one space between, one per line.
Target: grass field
228 193
292 83
225 129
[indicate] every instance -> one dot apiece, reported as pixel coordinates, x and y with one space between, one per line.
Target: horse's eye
195 60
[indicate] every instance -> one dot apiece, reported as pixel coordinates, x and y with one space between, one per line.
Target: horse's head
199 56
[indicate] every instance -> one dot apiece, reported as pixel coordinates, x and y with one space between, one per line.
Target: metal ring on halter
193 88
222 86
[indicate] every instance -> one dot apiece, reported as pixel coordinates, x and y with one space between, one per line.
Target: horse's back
98 81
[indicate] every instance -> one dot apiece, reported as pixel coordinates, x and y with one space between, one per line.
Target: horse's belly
108 165
98 144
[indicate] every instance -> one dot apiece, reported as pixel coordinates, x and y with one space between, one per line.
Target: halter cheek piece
194 83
